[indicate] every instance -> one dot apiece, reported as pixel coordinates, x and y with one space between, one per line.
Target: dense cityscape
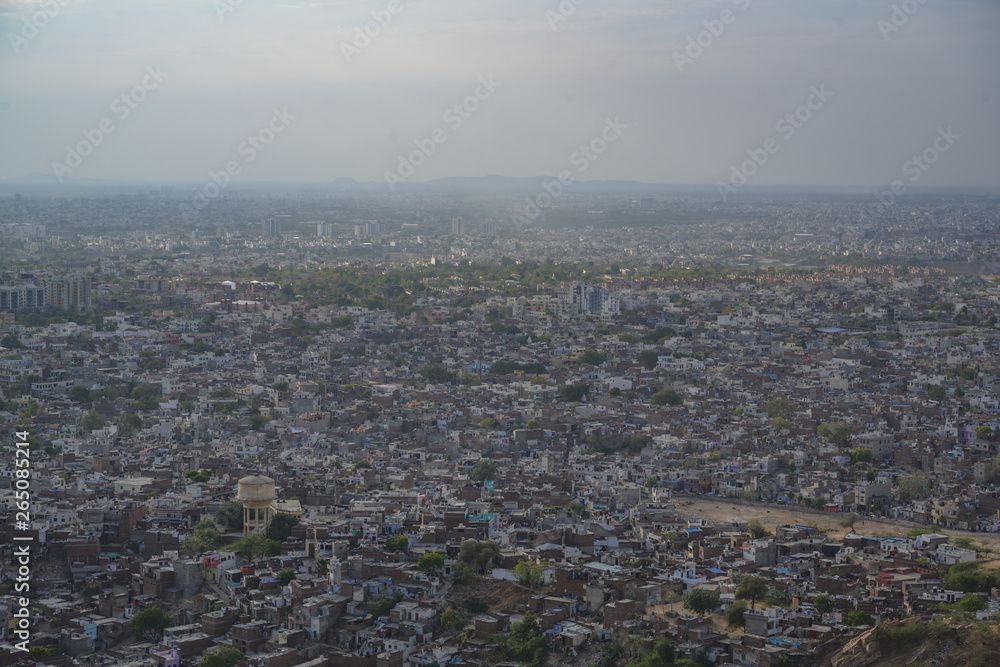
332 427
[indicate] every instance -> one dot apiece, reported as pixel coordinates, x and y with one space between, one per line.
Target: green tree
92 590
914 486
397 544
701 601
983 431
230 515
11 342
861 455
128 423
281 526
662 655
936 392
253 547
257 422
366 465
666 397
628 338
734 616
780 424
824 604
439 374
478 554
858 618
220 656
80 394
752 588
591 358
524 644
837 433
432 563
484 470
39 652
285 576
381 606
91 421
778 407
573 393
849 520
648 358
652 482
202 540
757 530
451 620
529 574
150 622
198 475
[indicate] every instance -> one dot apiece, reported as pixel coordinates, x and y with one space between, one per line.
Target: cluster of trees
478 555
230 515
220 656
648 358
590 358
861 455
967 577
438 374
778 408
398 289
914 486
511 367
573 393
666 397
204 538
524 644
280 527
837 433
382 605
198 475
661 654
610 443
252 547
431 563
150 623
484 470
529 574
397 544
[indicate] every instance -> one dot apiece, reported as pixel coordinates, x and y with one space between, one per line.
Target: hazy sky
229 64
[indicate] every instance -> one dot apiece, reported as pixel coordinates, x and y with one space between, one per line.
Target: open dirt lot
698 507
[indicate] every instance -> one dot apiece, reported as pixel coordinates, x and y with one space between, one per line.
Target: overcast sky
690 117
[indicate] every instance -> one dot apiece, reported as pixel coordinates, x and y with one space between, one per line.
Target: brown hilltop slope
917 642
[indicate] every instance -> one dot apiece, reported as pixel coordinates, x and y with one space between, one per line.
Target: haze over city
894 79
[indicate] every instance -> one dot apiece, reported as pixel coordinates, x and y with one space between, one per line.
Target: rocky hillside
939 643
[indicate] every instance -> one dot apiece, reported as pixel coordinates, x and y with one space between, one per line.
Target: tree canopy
837 433
701 601
431 563
478 554
220 656
230 515
752 588
281 526
484 470
666 397
150 621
